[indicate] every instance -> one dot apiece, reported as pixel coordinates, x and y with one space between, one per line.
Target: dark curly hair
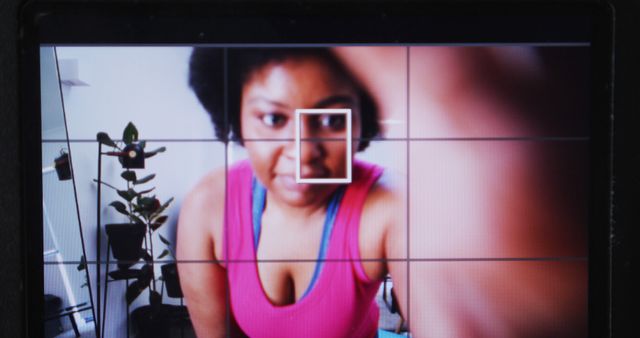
207 74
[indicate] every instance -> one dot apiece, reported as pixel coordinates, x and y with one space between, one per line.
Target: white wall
146 85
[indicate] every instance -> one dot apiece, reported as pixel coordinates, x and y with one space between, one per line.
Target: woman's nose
311 146
310 151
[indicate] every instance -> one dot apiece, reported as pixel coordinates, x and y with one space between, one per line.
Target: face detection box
300 115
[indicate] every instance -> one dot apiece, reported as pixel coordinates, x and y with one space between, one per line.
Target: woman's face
269 100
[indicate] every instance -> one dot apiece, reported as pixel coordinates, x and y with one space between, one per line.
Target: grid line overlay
408 140
408 186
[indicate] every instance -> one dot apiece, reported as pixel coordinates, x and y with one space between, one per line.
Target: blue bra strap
332 211
259 199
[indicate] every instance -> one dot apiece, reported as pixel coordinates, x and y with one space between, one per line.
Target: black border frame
406 22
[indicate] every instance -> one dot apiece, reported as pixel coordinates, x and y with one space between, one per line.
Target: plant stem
152 256
129 204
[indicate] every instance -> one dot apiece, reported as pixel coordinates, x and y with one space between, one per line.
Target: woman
299 260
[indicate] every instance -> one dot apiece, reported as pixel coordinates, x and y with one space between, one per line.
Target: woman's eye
274 120
334 122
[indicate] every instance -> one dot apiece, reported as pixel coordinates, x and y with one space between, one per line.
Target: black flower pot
126 240
159 321
151 321
63 169
132 157
171 280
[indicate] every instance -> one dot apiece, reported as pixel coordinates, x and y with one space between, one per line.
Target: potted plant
133 242
143 211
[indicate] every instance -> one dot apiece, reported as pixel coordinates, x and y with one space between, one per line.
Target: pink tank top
340 304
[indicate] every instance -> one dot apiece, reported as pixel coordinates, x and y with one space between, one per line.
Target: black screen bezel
322 23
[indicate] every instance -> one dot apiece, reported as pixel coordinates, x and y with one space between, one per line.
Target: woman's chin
304 196
299 198
299 194
288 183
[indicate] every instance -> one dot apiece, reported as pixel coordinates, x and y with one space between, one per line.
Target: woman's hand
479 199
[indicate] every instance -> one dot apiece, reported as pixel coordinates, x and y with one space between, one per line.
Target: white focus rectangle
325 180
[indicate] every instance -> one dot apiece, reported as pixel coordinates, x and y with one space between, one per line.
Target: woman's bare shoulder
207 193
387 194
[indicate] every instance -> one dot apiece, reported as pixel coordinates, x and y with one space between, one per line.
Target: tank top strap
237 222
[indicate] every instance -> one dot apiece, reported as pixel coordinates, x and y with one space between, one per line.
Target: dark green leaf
146 191
161 219
147 257
129 175
158 222
154 298
164 253
162 208
130 134
164 240
134 290
147 203
145 206
104 138
154 152
143 213
136 207
136 219
124 274
128 195
146 275
125 265
144 179
120 207
105 183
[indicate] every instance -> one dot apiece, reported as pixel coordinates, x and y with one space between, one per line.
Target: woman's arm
392 204
383 238
203 279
